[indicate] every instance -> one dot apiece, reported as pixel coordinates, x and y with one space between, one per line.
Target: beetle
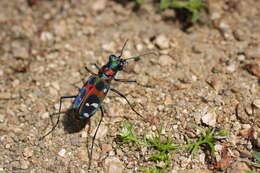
96 88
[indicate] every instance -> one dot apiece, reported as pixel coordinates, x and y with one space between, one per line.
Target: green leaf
139 2
256 156
165 4
251 172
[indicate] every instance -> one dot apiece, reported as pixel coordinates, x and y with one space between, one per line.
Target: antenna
123 48
138 57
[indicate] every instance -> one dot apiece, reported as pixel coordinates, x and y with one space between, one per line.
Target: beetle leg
93 139
53 128
122 95
133 81
91 72
97 67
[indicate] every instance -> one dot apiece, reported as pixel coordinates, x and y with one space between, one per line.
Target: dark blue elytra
77 101
90 107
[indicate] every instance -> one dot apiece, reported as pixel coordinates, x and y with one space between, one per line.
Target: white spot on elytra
86 115
87 104
94 105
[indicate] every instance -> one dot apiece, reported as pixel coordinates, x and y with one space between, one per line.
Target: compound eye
121 65
112 57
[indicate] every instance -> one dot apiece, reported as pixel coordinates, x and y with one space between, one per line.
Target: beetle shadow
71 124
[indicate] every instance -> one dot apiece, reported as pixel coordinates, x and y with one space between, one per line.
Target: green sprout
251 172
161 157
193 6
256 156
161 145
139 1
154 169
164 146
128 135
207 138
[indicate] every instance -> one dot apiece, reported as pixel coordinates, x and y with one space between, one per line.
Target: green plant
161 157
154 169
251 172
256 156
193 6
160 145
206 138
163 145
139 2
127 134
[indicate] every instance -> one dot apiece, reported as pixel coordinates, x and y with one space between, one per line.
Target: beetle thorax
107 73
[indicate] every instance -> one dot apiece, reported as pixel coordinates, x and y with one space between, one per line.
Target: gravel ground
207 76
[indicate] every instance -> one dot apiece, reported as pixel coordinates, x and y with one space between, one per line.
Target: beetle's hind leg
54 126
94 137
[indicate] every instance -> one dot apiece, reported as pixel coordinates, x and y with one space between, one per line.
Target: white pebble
256 103
210 118
45 115
62 152
162 42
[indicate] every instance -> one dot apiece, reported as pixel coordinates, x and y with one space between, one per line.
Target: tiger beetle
95 89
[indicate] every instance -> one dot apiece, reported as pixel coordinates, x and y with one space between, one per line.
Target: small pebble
82 154
102 131
119 152
15 83
202 157
254 69
113 165
253 52
106 148
162 42
160 164
210 118
99 5
109 47
45 115
84 134
231 68
249 109
139 47
62 152
27 152
185 162
56 85
7 146
256 103
153 127
241 57
168 100
60 29
19 51
24 164
246 131
240 167
2 118
165 60
46 36
218 147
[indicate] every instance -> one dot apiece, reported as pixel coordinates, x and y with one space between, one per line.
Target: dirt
206 75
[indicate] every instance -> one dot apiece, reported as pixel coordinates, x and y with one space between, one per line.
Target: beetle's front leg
91 72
